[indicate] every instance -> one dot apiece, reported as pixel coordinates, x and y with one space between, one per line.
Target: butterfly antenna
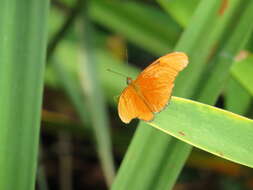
126 52
115 72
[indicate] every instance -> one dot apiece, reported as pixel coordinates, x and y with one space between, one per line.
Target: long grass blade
242 72
180 10
142 25
225 58
209 128
234 92
95 98
23 29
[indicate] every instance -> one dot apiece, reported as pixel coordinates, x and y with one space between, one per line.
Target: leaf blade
215 130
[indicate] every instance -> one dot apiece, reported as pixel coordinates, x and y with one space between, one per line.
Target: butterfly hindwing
132 106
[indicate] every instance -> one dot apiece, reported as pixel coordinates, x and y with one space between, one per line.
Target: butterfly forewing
156 82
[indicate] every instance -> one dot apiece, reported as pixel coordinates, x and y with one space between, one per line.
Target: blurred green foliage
151 29
85 38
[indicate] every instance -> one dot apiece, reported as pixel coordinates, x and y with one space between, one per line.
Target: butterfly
150 92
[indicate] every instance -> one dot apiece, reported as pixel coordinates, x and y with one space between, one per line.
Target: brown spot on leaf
181 133
223 7
242 55
212 52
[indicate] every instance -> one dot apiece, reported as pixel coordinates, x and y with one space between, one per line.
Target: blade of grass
23 26
211 129
65 158
202 42
72 89
95 98
242 71
41 176
63 73
234 92
180 10
63 29
212 86
139 23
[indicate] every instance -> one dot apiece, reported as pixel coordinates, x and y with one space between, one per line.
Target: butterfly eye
129 80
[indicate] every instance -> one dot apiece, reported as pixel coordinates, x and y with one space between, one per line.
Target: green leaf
214 130
23 29
243 71
72 88
180 10
212 82
234 92
92 90
142 25
66 71
202 42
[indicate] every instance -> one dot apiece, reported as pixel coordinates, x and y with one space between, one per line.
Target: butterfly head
129 80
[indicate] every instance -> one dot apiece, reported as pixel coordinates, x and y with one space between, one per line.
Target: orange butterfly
151 91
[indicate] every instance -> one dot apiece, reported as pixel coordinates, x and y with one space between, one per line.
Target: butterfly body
129 80
151 91
138 91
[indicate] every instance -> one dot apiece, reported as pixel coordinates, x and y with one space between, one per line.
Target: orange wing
131 106
155 83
